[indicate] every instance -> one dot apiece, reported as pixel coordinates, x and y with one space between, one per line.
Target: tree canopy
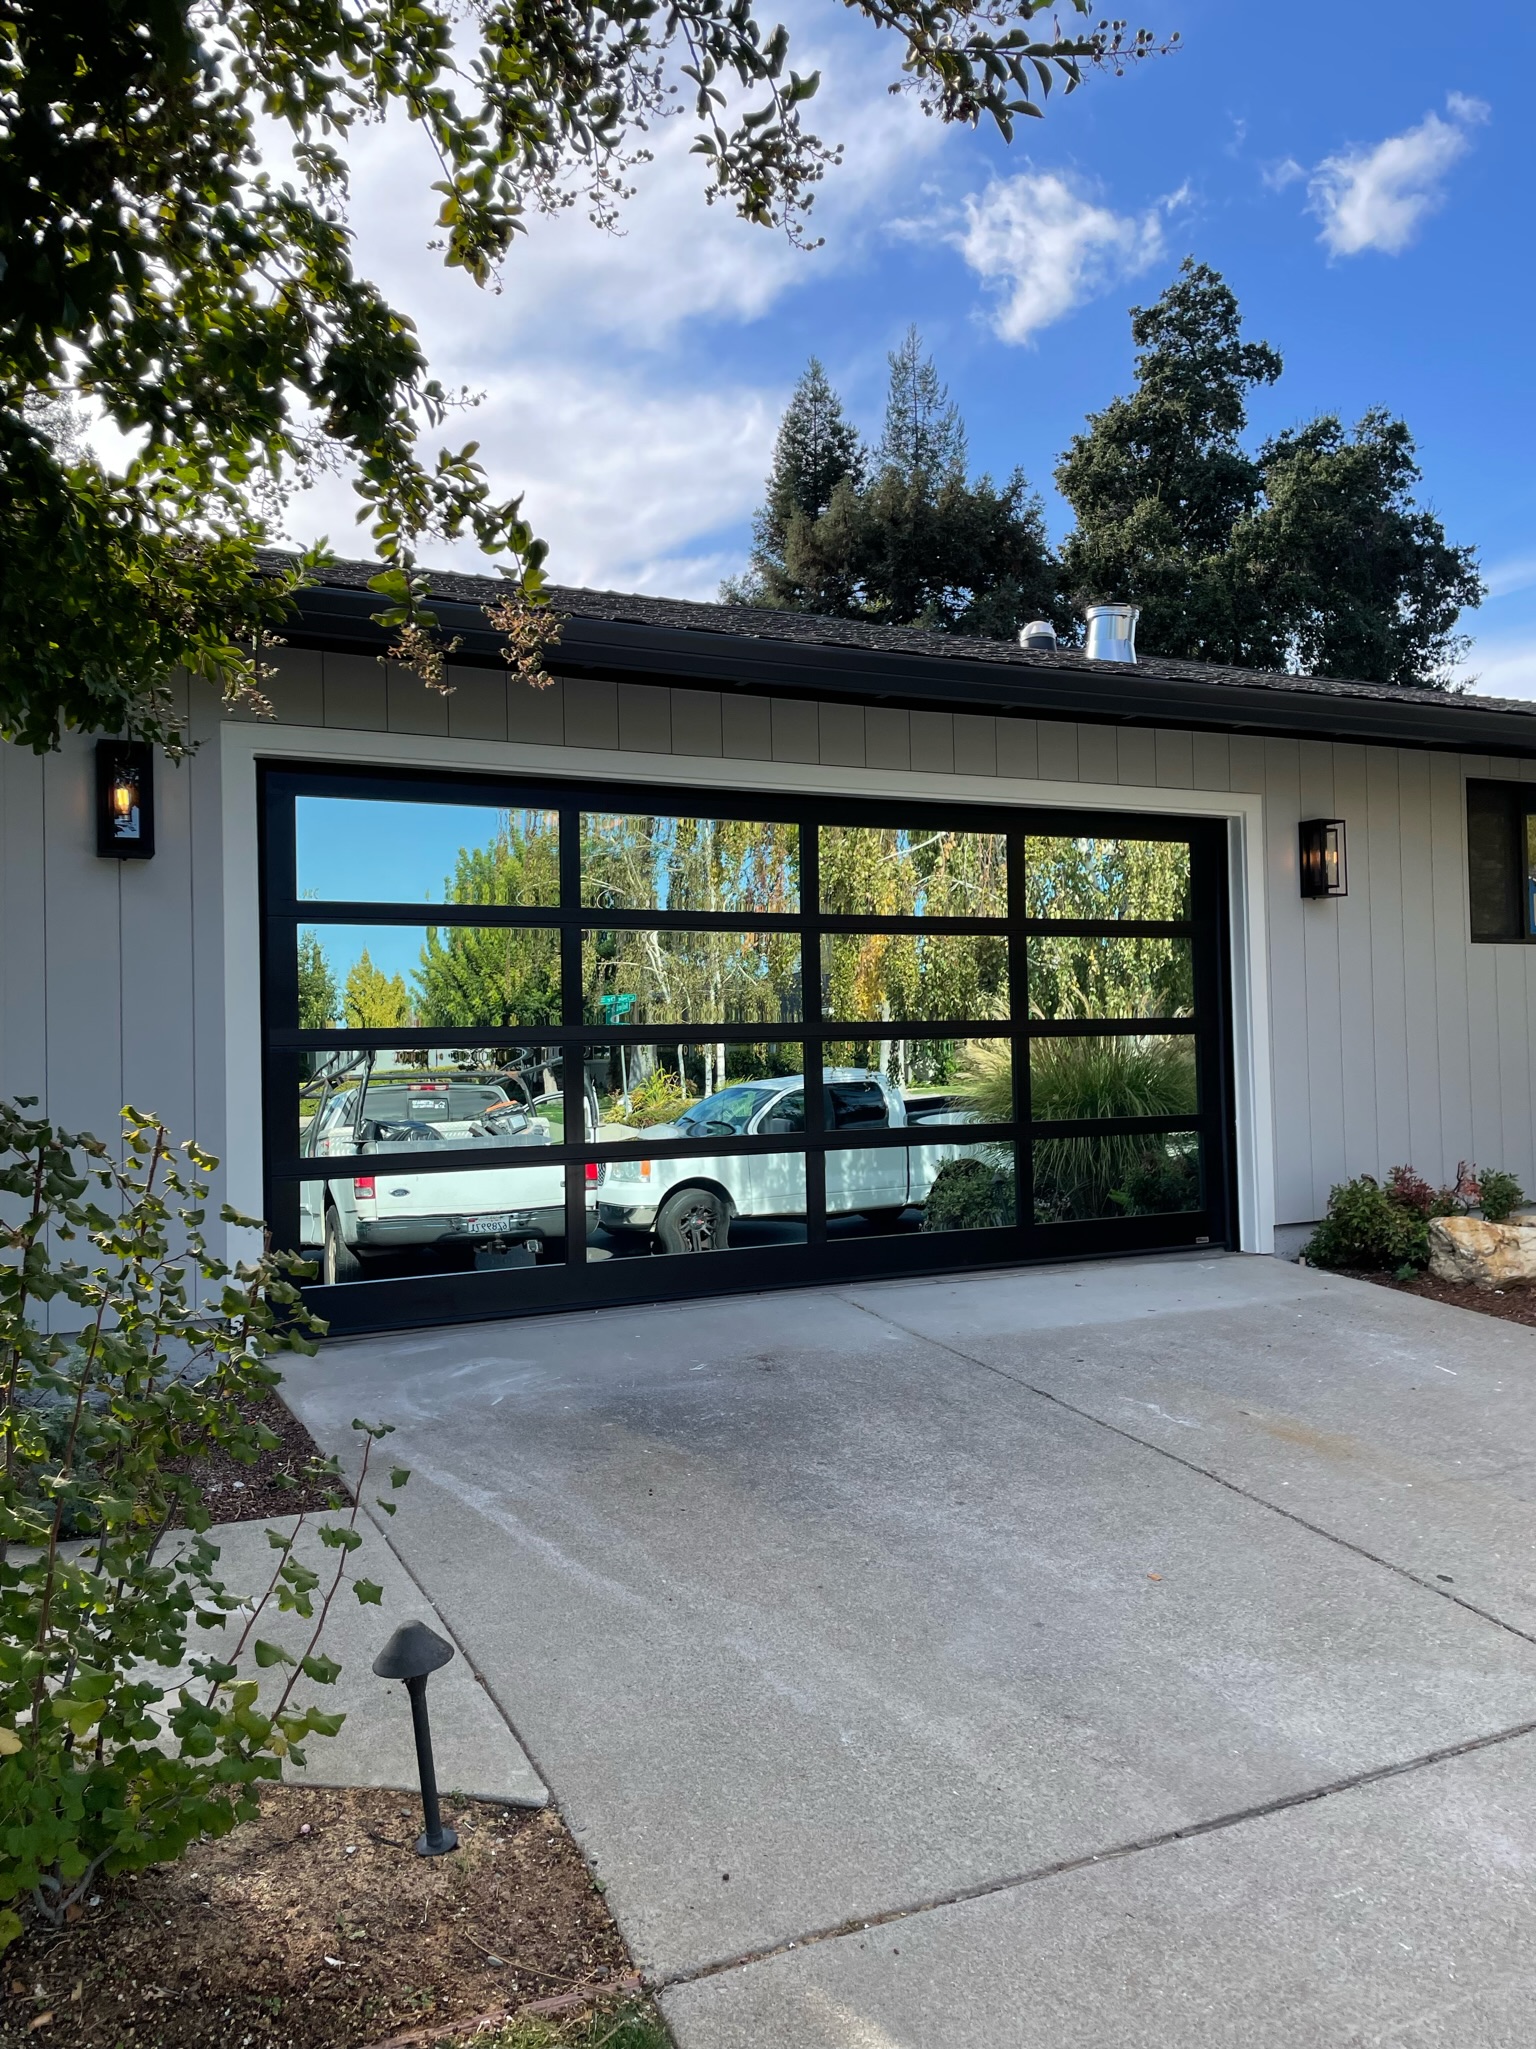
206 301
901 536
1308 553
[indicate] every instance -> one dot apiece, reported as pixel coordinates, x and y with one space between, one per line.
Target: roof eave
331 616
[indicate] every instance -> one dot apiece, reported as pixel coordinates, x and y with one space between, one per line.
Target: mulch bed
276 1484
1515 1305
318 1927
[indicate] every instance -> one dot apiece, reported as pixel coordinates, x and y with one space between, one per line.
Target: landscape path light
413 1653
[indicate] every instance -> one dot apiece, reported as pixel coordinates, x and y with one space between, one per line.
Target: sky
1361 177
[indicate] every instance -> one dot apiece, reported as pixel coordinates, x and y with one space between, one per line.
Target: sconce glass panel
1323 869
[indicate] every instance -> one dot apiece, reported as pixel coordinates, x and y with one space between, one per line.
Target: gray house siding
1392 1037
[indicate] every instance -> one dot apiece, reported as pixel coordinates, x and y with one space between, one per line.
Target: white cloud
1377 198
1047 247
621 477
1285 172
1515 573
1501 665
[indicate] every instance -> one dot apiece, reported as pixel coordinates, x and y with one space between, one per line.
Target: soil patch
1515 1305
278 1483
318 1927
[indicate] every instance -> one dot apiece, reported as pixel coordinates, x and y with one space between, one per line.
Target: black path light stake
412 1653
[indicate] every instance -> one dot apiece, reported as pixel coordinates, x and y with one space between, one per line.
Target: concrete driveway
1127 1654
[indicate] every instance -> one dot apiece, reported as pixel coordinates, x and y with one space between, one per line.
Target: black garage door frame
450 1297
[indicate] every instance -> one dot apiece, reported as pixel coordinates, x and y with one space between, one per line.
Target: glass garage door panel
532 1046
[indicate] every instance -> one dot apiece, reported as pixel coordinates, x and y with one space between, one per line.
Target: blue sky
1361 177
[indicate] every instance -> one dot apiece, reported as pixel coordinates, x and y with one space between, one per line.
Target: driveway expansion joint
1062 1867
1190 1465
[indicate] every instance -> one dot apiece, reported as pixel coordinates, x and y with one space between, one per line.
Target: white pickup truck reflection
689 1203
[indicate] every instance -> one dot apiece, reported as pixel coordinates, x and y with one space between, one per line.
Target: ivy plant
128 1350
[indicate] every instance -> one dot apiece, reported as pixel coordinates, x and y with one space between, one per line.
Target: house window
1501 860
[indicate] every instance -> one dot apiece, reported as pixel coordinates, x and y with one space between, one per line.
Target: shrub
98 1772
972 1193
1502 1195
660 1099
1366 1226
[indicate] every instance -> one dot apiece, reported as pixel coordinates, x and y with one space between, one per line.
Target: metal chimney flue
1112 632
1039 636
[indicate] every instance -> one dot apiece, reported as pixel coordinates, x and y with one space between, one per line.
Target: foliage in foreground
166 263
101 1771
1384 1226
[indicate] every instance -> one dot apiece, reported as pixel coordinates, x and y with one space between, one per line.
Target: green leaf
399 1476
271 1653
369 1592
10 1926
323 1670
338 1537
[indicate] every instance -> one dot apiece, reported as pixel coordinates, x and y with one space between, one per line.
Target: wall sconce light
1323 872
125 800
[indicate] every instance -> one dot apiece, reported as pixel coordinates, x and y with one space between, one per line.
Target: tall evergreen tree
1160 478
817 449
924 436
915 544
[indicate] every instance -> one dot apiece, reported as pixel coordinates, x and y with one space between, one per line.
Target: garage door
534 1045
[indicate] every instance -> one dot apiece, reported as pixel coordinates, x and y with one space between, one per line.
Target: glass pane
931 1076
1120 1077
1110 977
946 1186
457 1097
691 978
894 872
1141 1176
376 850
1530 874
1067 877
467 1219
635 863
923 977
700 1087
385 977
699 1203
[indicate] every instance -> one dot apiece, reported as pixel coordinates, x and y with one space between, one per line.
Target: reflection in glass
387 977
1067 877
454 1098
634 863
641 1087
1530 875
700 1203
1144 1175
924 977
930 1075
1110 977
1111 1077
893 872
691 978
468 1218
377 850
940 1185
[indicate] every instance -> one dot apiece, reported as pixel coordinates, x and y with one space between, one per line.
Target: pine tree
1160 478
924 436
917 543
817 449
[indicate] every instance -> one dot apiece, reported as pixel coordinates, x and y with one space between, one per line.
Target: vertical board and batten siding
1393 1038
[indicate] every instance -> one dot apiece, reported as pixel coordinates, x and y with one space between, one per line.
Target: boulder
1468 1249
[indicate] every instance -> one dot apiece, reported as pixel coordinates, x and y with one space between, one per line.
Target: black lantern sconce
1323 872
413 1653
125 800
